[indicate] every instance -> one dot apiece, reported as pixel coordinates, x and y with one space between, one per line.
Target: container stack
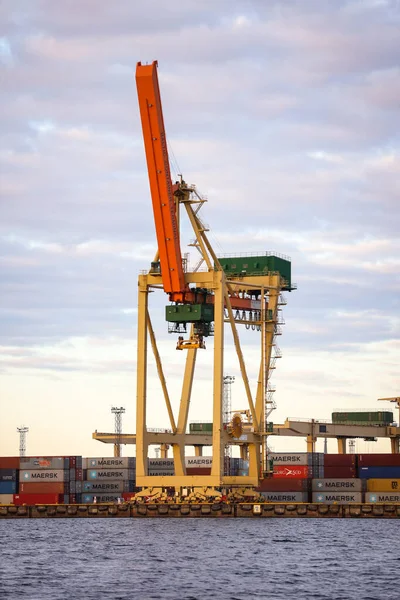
198 465
337 491
340 466
382 475
107 479
301 465
160 467
46 480
9 471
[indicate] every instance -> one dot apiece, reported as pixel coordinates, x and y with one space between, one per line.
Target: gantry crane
237 290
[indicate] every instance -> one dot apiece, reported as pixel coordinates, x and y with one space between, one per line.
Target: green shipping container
363 418
258 265
200 427
189 313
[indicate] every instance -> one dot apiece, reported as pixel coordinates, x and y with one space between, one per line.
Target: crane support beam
164 206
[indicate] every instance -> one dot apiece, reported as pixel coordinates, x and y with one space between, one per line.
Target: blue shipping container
8 487
8 474
379 472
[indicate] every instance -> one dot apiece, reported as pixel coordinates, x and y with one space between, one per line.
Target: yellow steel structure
168 275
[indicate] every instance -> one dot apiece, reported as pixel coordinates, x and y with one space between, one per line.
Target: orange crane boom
164 207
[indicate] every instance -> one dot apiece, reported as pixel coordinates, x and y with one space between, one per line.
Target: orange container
41 488
9 462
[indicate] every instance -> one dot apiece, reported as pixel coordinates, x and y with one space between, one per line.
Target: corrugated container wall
337 485
337 497
373 497
383 485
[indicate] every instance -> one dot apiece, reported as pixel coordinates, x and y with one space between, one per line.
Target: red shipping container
42 488
299 472
339 460
9 462
277 484
339 472
32 499
197 471
379 460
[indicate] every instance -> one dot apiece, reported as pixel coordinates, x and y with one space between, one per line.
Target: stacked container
9 469
106 479
43 480
300 465
340 466
198 465
160 467
337 491
382 472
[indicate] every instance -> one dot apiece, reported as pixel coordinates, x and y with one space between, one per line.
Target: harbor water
238 559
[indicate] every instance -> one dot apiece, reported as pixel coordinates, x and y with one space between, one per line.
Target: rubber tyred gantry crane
242 289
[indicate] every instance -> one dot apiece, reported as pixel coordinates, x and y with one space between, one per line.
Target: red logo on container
300 472
43 463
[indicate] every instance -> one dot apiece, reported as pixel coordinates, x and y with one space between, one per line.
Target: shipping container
32 499
28 463
110 474
337 497
102 487
121 462
285 496
161 473
161 464
363 418
8 487
340 460
43 487
6 498
44 475
91 498
339 472
379 460
8 474
199 471
200 427
372 497
337 485
297 472
379 472
383 485
290 458
203 462
9 462
276 484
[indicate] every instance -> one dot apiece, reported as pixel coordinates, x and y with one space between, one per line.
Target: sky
286 116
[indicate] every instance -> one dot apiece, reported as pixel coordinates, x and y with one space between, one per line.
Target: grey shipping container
44 475
373 497
109 474
161 464
296 458
90 498
121 462
285 496
8 474
161 473
337 485
45 462
198 461
337 497
107 486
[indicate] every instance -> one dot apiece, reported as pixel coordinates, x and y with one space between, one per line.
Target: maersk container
379 460
204 462
108 487
337 485
110 474
91 498
166 473
285 496
8 487
46 462
315 459
383 485
379 472
160 464
121 462
8 474
373 497
6 498
337 497
44 475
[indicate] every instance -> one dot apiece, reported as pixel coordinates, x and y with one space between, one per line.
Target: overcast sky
286 116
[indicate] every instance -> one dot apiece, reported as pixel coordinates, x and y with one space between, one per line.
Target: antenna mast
118 412
22 439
